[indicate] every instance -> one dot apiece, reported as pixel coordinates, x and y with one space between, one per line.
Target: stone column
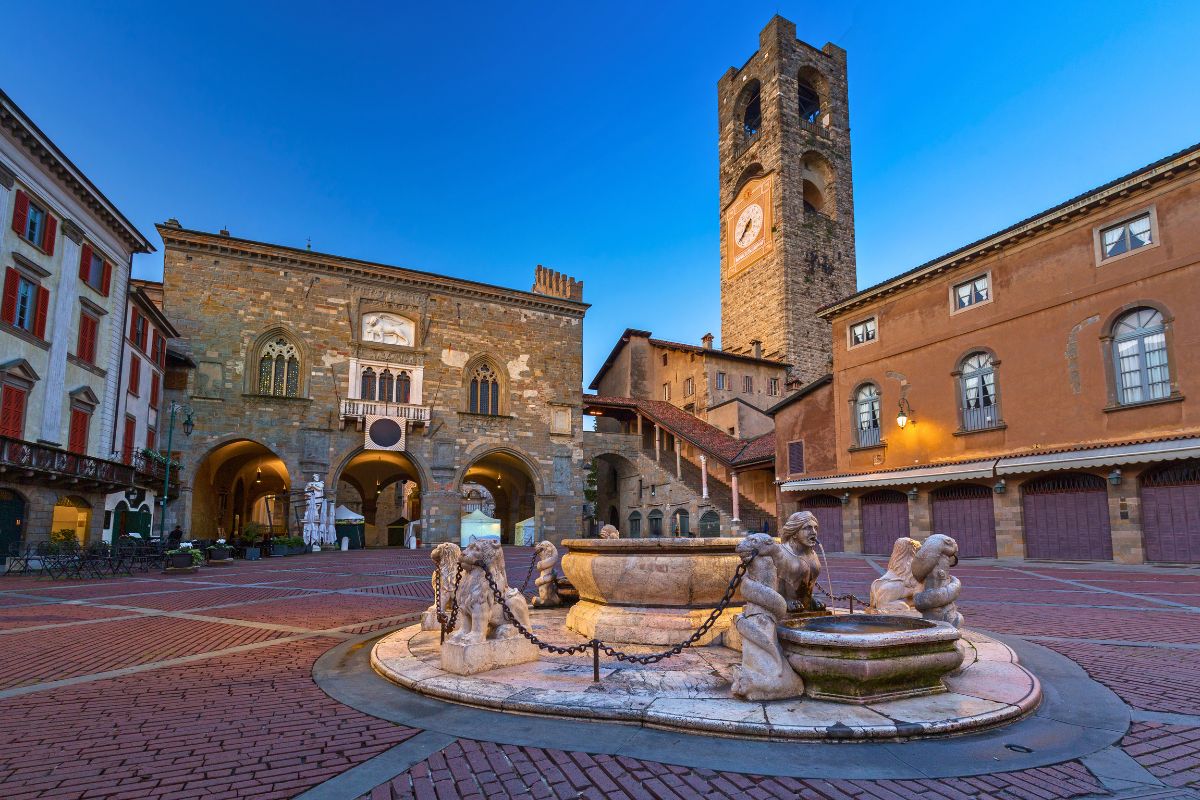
1010 531
734 486
678 461
62 322
703 476
1125 520
657 442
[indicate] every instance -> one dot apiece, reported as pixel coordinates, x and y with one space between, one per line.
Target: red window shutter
135 374
8 309
795 457
43 307
150 438
87 338
133 318
50 234
77 442
144 333
106 279
127 442
21 213
12 412
85 264
153 391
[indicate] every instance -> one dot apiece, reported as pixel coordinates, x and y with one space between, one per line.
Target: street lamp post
188 425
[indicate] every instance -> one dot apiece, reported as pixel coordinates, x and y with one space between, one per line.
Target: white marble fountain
774 664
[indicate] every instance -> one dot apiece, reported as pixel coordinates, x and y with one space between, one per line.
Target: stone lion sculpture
480 616
610 532
931 565
445 559
547 584
892 592
799 566
764 673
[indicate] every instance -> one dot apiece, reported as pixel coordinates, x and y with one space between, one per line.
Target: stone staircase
720 494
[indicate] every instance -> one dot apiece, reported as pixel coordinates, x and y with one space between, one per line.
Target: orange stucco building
1043 377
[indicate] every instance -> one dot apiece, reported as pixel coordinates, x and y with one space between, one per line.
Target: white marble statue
610 532
892 592
547 583
445 559
931 565
314 508
764 673
799 566
480 616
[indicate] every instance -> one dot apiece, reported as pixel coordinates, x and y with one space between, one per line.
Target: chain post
595 660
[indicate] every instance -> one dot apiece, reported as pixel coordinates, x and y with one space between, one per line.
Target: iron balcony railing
868 437
982 418
21 459
362 408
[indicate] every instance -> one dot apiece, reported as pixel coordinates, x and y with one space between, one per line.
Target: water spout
828 576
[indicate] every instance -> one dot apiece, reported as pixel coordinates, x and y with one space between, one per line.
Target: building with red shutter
65 255
140 412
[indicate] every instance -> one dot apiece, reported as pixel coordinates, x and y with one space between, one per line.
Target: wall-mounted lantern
905 414
1001 487
1114 477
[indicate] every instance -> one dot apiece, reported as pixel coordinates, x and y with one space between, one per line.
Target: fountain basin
867 658
649 591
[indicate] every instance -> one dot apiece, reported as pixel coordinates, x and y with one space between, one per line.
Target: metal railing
39 460
378 408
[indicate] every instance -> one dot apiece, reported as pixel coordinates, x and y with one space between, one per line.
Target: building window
279 369
720 380
85 347
752 110
972 292
810 102
656 523
127 441
747 384
1140 357
135 375
977 382
666 392
866 415
635 525
25 303
94 270
689 387
139 330
795 458
387 385
863 332
773 387
34 223
485 391
154 390
1126 237
403 387
151 438
12 411
367 384
664 359
77 435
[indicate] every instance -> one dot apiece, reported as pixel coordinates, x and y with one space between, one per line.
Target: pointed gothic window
368 384
386 382
485 391
403 387
279 369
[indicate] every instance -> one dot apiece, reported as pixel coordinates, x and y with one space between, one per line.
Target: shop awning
972 470
1101 457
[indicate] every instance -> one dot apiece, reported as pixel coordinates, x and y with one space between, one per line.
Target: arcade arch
385 487
239 481
513 483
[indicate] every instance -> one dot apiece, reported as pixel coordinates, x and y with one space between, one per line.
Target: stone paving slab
691 691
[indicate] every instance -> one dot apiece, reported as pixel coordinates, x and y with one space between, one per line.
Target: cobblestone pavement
201 687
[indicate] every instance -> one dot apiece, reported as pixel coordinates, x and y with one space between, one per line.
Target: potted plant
279 546
296 546
185 557
252 536
219 551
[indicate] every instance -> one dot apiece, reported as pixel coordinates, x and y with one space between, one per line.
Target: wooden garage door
1171 513
1066 518
965 513
884 520
828 510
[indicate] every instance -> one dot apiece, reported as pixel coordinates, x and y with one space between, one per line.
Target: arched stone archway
233 480
618 486
514 482
385 487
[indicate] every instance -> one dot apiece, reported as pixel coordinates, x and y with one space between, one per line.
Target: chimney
172 223
757 345
707 340
224 231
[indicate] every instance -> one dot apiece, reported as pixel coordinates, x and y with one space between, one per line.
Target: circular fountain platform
690 692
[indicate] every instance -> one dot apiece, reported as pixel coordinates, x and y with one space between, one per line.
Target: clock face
748 226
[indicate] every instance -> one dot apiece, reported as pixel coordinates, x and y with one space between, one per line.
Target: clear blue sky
478 140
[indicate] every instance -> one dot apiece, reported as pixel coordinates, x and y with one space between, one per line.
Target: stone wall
224 294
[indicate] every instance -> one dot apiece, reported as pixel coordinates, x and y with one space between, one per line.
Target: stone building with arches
1031 394
395 387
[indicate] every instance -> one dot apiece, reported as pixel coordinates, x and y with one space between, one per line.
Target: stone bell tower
786 199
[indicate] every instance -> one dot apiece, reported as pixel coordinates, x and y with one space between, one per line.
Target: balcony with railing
358 409
151 469
23 461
